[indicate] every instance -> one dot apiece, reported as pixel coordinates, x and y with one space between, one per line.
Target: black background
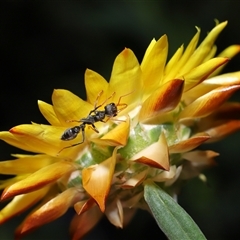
46 45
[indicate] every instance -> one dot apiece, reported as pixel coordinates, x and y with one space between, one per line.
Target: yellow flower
165 110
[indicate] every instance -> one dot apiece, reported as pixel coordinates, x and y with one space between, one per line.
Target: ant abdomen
70 133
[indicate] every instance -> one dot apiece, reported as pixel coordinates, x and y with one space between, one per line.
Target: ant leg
93 127
96 102
73 145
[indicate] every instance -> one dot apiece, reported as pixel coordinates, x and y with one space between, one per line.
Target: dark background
46 45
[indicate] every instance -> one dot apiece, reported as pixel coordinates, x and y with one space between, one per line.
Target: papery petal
49 113
21 203
153 65
114 213
83 206
206 104
202 51
80 225
68 106
189 144
94 84
222 130
165 175
135 180
201 72
25 164
156 155
199 157
126 78
50 211
116 137
97 179
164 99
39 179
177 69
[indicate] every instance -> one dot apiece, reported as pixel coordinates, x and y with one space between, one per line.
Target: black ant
110 110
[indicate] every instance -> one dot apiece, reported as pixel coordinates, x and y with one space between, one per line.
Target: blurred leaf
170 216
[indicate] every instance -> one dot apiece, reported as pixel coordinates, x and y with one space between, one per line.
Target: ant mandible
110 110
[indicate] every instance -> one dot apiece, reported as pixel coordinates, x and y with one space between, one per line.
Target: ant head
111 110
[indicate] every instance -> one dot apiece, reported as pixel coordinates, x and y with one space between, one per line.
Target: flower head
144 124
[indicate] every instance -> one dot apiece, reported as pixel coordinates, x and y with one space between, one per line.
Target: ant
110 110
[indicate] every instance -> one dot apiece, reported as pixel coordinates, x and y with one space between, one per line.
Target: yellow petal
172 64
25 164
201 72
114 213
17 142
68 106
154 64
229 52
21 203
50 211
156 155
163 99
209 102
49 113
94 84
97 179
203 50
116 137
126 78
176 70
189 144
39 137
39 179
210 84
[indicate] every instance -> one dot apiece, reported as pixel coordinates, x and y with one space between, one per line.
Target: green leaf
170 216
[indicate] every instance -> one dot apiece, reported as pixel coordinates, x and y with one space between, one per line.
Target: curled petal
116 137
82 224
68 106
50 211
156 155
164 99
21 203
209 102
94 84
189 144
114 213
97 179
39 179
201 72
49 113
153 64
